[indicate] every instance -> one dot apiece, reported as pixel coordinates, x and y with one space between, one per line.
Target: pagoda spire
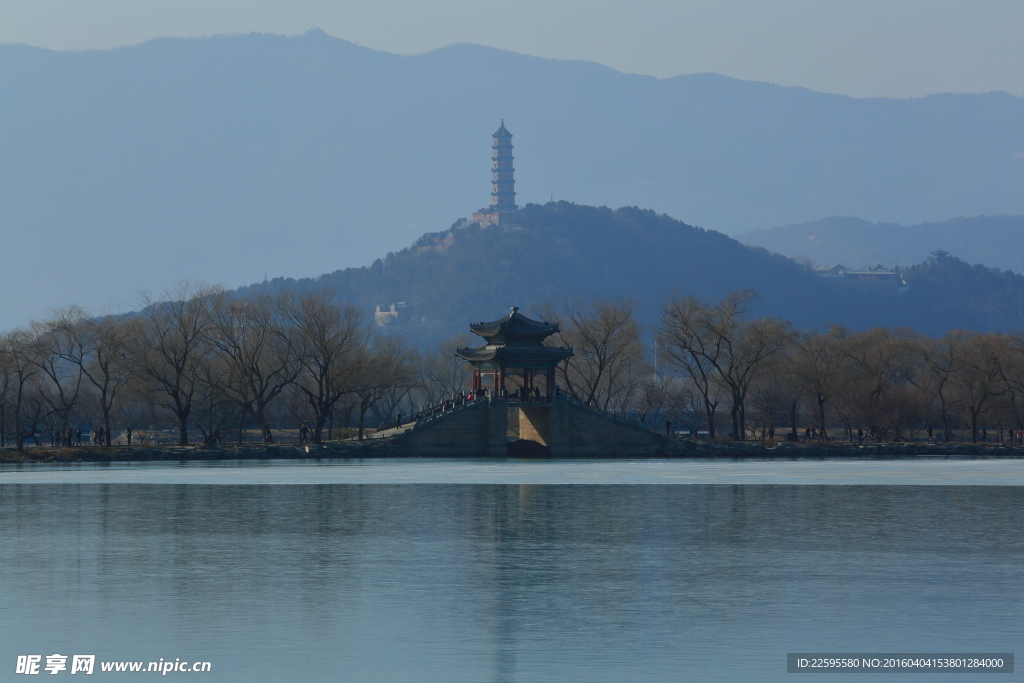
503 184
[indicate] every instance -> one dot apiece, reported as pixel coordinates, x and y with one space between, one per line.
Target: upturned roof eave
515 325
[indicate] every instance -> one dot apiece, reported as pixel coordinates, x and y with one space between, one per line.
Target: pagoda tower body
503 183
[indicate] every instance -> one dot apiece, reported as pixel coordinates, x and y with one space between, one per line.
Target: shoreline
675 449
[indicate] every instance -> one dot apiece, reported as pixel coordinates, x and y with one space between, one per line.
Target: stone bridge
559 427
534 419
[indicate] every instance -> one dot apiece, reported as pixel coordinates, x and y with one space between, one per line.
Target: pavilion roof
502 132
515 324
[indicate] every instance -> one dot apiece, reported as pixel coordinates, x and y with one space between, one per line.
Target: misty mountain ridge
562 252
229 157
996 241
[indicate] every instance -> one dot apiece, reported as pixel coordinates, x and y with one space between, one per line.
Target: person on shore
398 420
128 435
303 433
668 427
78 436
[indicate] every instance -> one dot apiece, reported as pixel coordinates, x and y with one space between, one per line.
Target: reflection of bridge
548 421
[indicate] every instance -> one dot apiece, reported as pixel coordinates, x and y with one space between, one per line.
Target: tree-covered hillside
562 251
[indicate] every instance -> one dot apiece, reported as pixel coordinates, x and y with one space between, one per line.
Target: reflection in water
507 582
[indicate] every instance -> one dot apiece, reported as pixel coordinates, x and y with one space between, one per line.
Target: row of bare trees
891 383
201 359
204 361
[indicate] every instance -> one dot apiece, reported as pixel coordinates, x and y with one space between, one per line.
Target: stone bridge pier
569 429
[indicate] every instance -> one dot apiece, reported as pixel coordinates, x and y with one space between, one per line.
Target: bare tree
330 342
609 361
61 379
441 374
171 345
1011 373
715 343
213 404
27 406
262 358
99 348
943 361
653 397
820 362
386 365
978 380
846 403
776 393
905 407
689 354
882 362
685 403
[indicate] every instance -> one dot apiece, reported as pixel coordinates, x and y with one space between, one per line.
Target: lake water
502 571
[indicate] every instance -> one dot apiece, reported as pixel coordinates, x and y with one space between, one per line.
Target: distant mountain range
996 241
231 157
561 252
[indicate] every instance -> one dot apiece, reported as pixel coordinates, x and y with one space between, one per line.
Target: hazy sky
867 48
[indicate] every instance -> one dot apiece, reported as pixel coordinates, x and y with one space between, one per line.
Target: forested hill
563 251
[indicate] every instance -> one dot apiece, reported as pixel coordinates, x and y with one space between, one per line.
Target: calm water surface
506 582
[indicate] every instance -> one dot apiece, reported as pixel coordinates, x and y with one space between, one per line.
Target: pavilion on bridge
515 346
